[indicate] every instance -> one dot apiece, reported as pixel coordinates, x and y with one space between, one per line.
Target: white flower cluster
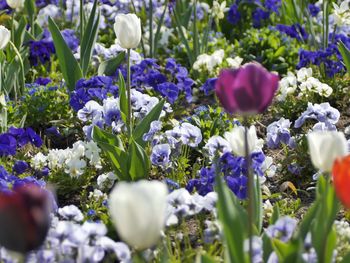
209 62
304 82
72 160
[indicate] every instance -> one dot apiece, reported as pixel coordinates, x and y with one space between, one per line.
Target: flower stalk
129 117
250 188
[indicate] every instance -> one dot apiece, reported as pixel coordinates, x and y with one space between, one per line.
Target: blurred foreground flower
24 218
138 212
249 89
341 179
325 147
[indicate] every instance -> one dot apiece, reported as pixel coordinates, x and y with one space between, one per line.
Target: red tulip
341 180
24 218
249 89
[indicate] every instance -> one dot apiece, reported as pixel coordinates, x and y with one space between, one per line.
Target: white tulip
14 4
128 30
236 140
325 147
138 212
5 36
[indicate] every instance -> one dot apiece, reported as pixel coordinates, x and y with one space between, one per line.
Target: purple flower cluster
95 88
329 57
233 15
294 31
283 229
9 181
43 3
16 138
234 170
278 132
261 13
71 39
169 83
324 113
41 50
205 183
208 86
313 9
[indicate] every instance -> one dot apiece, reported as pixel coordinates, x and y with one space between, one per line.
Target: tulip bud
128 30
249 89
14 4
24 218
235 137
341 180
325 147
138 212
5 36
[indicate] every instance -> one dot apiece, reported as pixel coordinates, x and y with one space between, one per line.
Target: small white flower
303 74
234 63
39 160
75 167
219 9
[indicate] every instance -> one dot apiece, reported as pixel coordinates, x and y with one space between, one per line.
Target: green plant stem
81 19
150 28
21 65
13 27
250 188
129 122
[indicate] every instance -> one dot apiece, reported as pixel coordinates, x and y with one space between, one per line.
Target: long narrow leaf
89 38
69 66
145 124
345 53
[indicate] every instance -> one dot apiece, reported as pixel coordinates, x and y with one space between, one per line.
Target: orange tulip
341 180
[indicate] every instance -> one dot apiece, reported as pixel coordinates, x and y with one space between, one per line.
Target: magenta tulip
24 218
249 89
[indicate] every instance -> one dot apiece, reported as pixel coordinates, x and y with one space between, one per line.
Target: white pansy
209 62
303 74
234 63
341 13
219 9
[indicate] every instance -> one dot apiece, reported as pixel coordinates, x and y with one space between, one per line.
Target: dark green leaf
109 67
70 68
345 53
231 213
123 101
139 163
89 38
145 124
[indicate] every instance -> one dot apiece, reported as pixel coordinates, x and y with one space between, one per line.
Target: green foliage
69 65
43 107
269 48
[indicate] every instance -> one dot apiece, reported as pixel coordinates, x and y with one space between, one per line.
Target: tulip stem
129 95
250 189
